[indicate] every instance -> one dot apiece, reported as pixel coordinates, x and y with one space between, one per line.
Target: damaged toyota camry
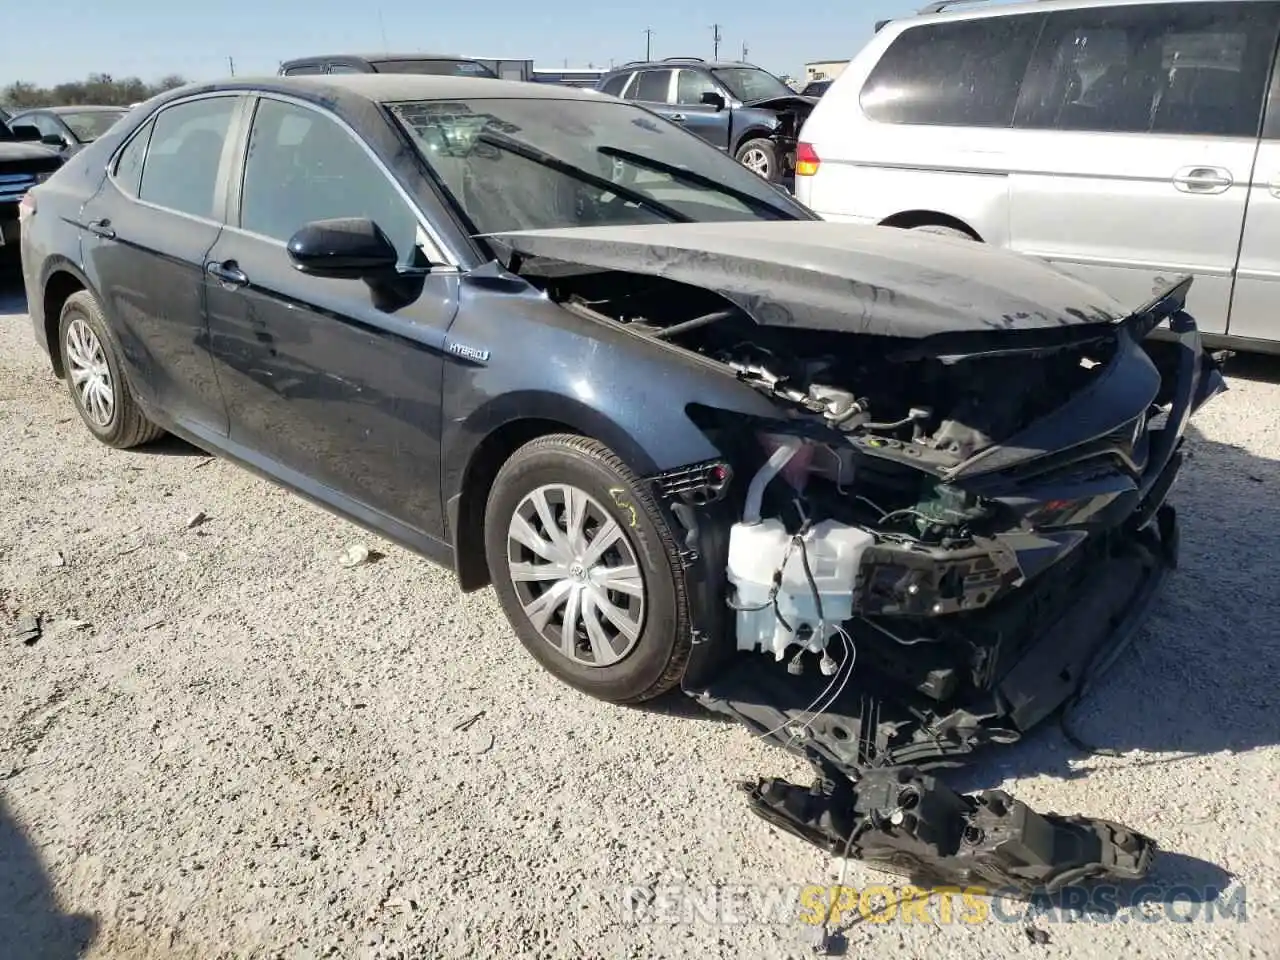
884 498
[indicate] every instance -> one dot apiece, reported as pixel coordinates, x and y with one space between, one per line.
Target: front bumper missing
876 722
906 823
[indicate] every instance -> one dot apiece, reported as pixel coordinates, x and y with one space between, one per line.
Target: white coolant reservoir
756 552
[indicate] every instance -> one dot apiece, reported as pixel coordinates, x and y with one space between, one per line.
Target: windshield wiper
689 176
537 156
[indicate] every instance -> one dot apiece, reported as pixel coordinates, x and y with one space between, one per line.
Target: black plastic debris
1036 935
906 823
29 629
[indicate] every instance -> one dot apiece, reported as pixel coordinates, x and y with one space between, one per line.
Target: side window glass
1195 68
344 68
691 85
652 86
47 126
305 70
301 166
963 73
128 170
181 172
613 86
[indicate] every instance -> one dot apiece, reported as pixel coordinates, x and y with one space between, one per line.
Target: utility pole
231 65
715 41
382 27
648 44
744 51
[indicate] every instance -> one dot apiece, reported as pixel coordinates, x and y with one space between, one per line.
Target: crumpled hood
784 102
824 275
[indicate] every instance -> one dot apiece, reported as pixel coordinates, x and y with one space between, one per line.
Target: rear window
964 73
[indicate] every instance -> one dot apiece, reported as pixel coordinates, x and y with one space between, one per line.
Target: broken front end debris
912 825
955 521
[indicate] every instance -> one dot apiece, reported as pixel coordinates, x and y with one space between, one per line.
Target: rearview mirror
25 132
713 99
353 248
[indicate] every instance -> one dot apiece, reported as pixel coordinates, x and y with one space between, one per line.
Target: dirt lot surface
225 743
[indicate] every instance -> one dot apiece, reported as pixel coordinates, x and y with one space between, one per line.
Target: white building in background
823 69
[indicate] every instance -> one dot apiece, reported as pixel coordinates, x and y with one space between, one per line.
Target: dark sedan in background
24 162
687 430
70 129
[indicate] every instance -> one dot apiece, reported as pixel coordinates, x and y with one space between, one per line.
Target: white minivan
1125 142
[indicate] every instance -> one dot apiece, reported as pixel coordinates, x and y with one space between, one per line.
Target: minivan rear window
954 73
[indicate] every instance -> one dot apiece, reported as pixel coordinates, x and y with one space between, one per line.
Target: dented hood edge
837 277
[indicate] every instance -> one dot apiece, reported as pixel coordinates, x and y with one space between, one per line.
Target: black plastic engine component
910 824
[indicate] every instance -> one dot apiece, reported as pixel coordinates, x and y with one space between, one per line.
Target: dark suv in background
736 106
24 162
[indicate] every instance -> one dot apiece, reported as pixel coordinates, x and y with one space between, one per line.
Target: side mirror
352 248
25 132
53 140
713 99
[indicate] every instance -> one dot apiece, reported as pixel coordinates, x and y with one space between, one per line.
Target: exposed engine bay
941 540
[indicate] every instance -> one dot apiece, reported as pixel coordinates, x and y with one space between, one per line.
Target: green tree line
97 88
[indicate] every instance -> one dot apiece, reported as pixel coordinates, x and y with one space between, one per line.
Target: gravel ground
227 744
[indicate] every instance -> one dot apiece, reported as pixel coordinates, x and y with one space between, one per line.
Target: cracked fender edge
903 822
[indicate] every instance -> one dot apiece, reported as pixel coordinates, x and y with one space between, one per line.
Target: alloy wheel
757 161
576 575
90 373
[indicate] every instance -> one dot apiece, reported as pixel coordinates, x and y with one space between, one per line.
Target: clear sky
68 39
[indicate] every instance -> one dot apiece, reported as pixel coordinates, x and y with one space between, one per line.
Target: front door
703 119
148 229
330 383
1138 131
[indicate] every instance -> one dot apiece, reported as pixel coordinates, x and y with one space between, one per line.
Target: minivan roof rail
942 5
683 60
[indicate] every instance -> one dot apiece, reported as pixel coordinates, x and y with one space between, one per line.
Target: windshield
526 164
89 125
436 68
752 83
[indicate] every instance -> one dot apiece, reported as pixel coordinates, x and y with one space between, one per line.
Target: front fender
524 357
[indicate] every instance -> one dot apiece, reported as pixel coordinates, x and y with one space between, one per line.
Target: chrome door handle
101 228
677 118
227 273
1202 179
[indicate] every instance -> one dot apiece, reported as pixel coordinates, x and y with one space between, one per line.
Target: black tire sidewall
661 635
78 306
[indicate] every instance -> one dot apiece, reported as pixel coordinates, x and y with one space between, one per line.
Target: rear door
1257 290
1138 134
330 383
148 229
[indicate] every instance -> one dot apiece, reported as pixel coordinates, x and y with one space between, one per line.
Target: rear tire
610 565
95 376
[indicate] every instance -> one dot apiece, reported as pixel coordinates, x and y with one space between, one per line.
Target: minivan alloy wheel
89 372
576 575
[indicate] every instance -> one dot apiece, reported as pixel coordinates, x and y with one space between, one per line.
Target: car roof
977 9
380 57
392 87
685 62
72 108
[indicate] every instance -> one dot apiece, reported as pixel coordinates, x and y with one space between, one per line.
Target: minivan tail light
26 207
807 160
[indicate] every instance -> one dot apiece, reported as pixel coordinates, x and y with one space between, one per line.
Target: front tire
95 376
587 570
761 156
